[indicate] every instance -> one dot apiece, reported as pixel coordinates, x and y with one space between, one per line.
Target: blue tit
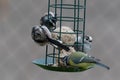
87 43
82 61
41 35
49 20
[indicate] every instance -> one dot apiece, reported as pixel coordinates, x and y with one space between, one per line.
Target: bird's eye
87 38
37 33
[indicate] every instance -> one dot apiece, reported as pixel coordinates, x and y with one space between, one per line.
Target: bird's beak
90 41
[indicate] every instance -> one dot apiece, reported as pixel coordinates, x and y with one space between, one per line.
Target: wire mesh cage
70 14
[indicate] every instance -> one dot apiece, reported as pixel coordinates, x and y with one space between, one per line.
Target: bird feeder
74 13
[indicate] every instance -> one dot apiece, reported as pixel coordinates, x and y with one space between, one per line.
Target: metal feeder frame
77 6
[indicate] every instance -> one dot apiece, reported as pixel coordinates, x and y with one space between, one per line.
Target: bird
81 60
42 36
39 36
86 45
49 19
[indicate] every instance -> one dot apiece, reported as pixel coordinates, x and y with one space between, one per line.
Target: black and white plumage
39 36
42 36
87 43
49 20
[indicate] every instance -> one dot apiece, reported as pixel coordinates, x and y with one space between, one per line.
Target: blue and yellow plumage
82 60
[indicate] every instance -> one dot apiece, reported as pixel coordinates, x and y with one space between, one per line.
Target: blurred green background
17 49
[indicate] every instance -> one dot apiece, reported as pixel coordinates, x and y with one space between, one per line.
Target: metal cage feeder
78 8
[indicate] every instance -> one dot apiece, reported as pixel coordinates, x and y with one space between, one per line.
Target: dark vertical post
53 55
78 17
74 15
61 2
55 25
84 25
47 45
46 54
61 16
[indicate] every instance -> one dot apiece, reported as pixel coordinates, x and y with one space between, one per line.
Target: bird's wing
87 59
46 31
92 60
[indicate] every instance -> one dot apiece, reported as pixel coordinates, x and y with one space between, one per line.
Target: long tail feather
103 65
58 44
